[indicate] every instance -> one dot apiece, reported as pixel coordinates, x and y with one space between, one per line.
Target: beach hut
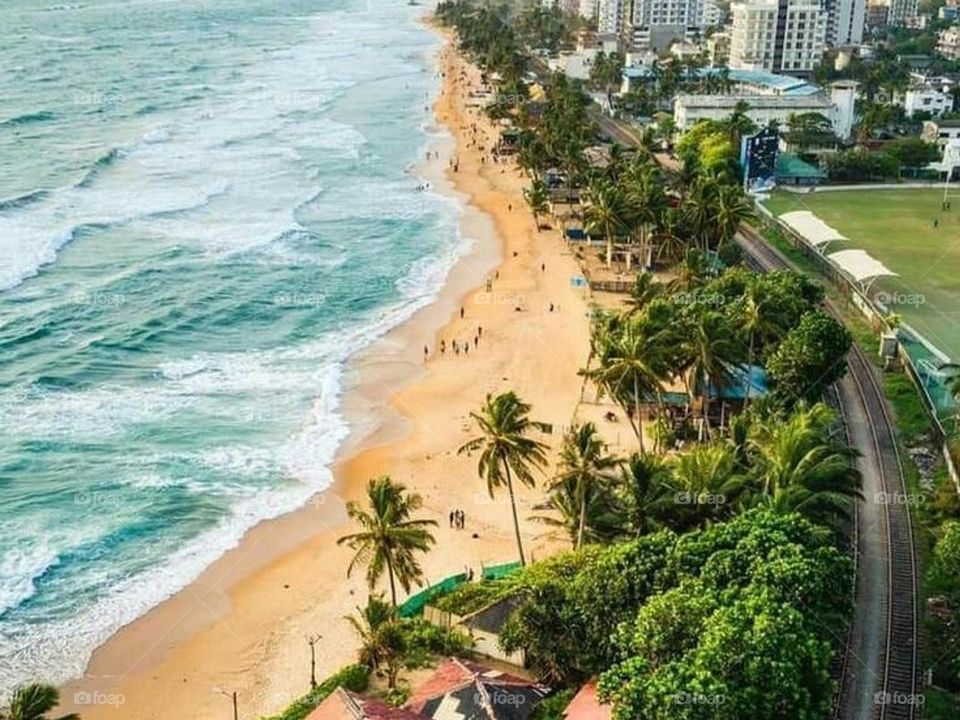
345 705
463 689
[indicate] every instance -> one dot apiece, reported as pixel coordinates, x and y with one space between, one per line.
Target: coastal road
879 675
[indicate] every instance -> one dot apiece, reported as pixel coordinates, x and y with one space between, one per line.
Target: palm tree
381 639
586 468
507 450
646 288
596 508
707 352
708 482
33 701
604 212
538 198
389 538
732 208
632 366
799 468
646 493
755 320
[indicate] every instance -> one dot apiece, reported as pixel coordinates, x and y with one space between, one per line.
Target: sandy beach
242 626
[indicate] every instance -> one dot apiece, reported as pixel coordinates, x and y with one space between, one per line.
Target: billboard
758 160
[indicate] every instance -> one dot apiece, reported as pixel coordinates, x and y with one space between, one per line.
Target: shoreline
242 624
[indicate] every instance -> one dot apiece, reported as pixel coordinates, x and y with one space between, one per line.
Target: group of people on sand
458 519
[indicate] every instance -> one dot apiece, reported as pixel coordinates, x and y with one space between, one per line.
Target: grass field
896 227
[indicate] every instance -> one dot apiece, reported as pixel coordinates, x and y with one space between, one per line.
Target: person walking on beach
452 514
466 348
443 347
426 353
479 331
461 312
476 341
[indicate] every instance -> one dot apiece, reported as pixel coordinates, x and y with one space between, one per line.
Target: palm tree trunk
513 507
636 409
609 250
583 517
393 584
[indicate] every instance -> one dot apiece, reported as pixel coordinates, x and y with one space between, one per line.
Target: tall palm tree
507 450
389 538
731 209
604 212
589 518
708 351
33 701
586 468
538 199
646 493
381 641
755 320
632 367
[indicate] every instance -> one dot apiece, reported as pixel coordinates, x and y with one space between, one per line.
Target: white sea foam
210 182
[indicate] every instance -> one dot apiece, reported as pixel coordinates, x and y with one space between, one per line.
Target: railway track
877 682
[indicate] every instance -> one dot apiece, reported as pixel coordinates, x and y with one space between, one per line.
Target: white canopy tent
861 266
811 228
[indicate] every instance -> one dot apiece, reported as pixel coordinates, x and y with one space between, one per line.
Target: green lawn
896 227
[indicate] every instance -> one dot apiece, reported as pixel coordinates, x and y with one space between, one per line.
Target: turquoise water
205 208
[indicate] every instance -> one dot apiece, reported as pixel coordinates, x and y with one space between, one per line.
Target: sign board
758 159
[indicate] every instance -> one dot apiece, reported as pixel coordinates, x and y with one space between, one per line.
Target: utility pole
233 698
312 642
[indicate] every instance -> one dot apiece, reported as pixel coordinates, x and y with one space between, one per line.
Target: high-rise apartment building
902 12
655 24
845 21
781 36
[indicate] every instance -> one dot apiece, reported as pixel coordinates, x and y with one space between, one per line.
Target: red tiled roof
586 706
455 674
344 705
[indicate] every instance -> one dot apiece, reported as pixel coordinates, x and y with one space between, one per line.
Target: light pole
312 642
233 698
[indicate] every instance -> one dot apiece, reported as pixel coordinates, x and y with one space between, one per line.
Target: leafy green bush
552 708
424 641
470 597
351 677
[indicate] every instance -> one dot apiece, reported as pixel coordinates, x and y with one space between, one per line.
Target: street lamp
233 697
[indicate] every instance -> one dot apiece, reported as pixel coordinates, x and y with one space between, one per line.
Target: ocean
206 206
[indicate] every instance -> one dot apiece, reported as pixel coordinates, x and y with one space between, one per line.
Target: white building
787 36
949 43
902 12
926 94
588 9
610 17
845 22
837 107
657 24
